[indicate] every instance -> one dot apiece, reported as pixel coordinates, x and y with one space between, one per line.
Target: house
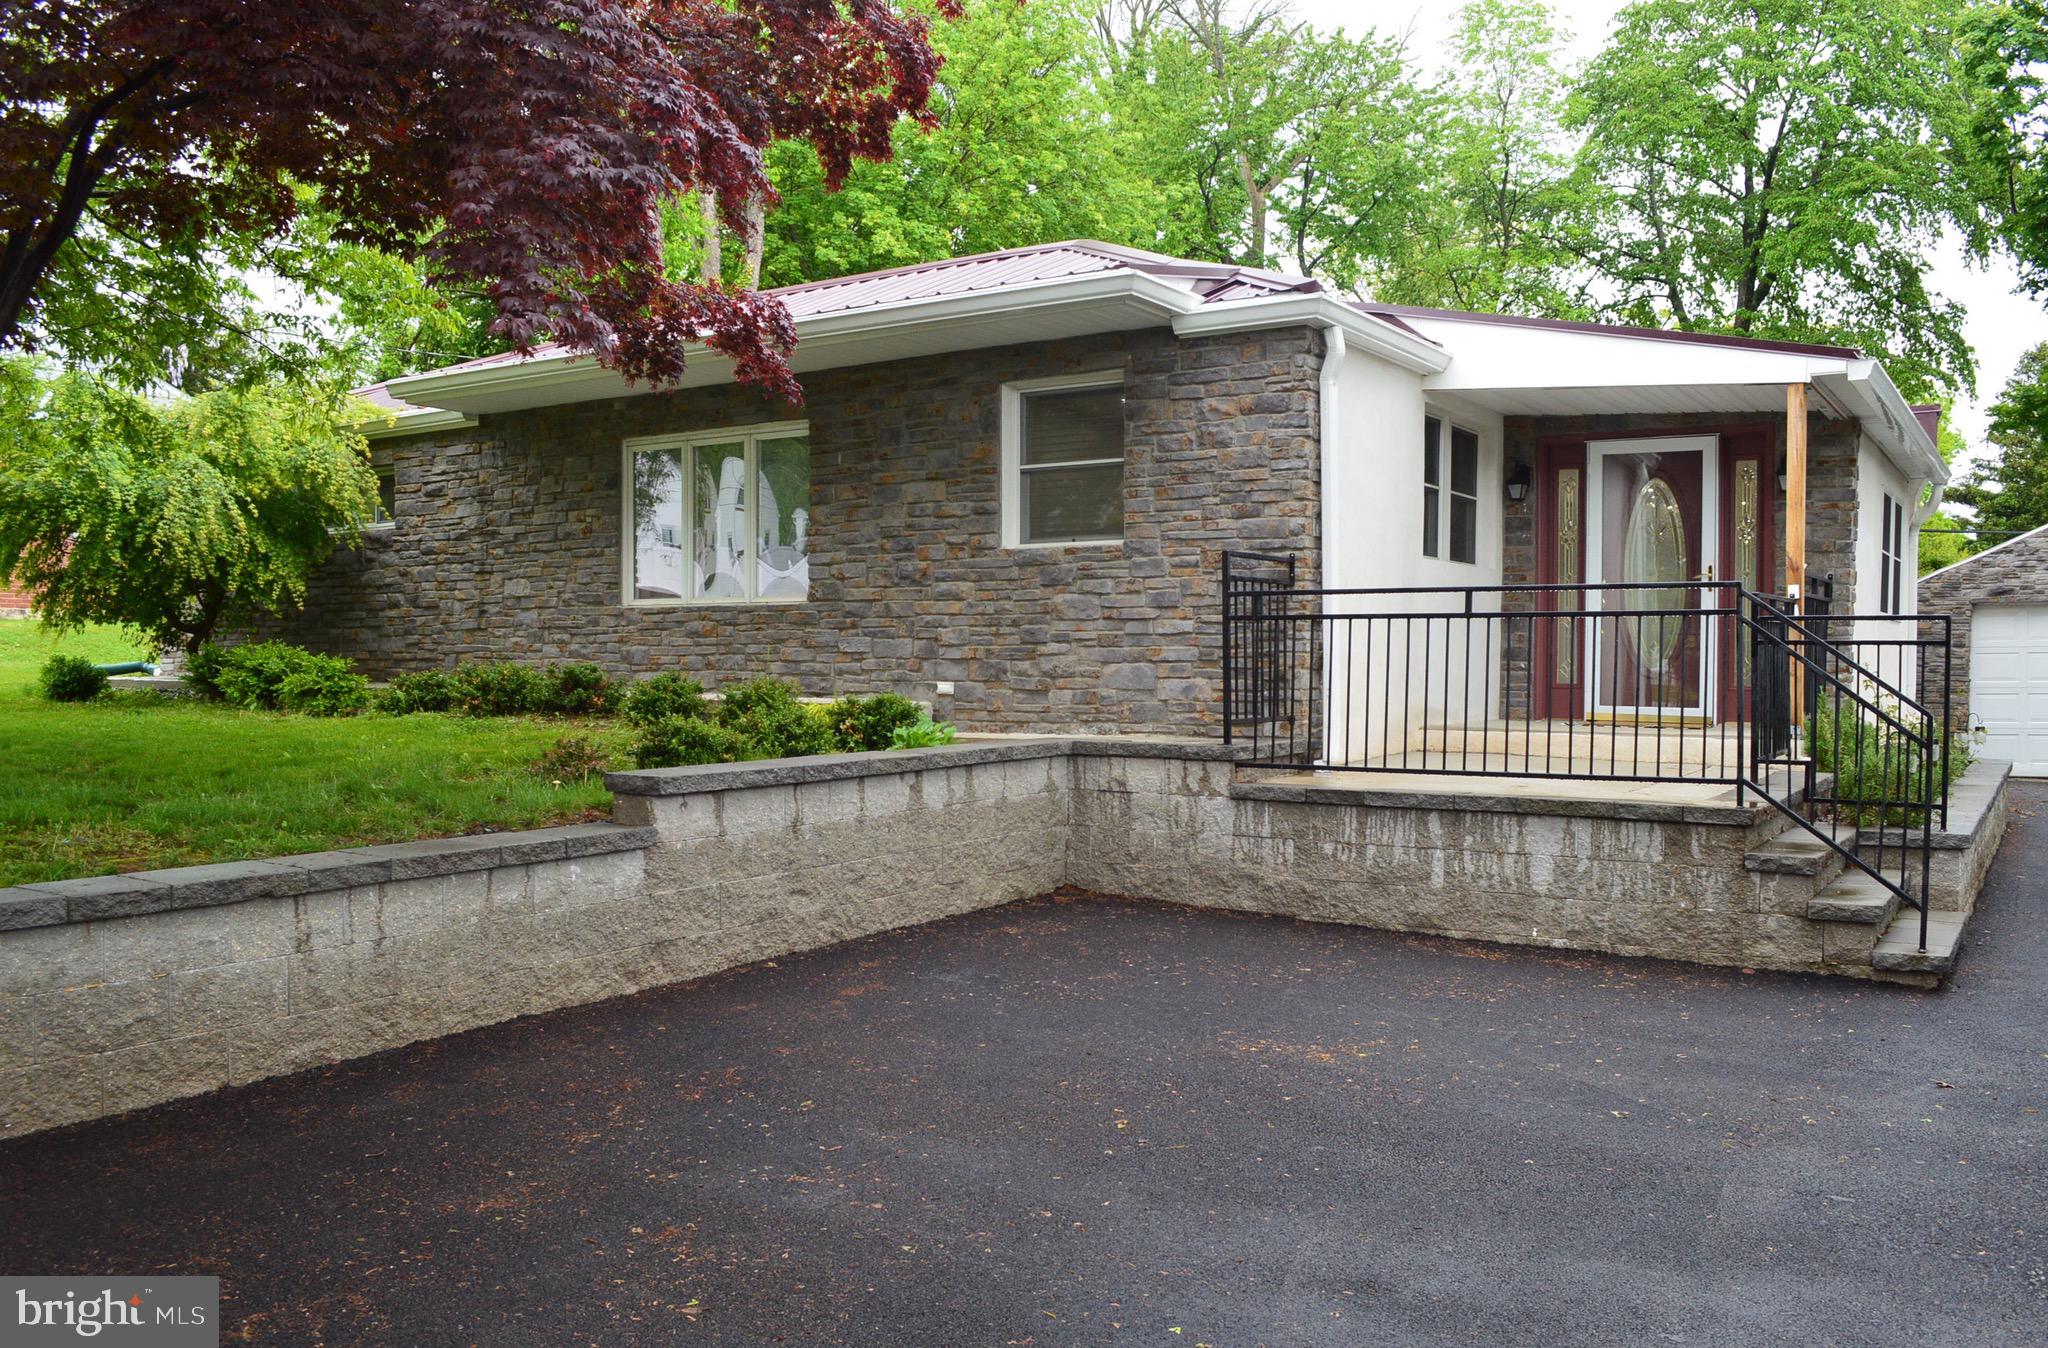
1014 476
1997 601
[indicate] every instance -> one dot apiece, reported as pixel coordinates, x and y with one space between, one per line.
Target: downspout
1333 362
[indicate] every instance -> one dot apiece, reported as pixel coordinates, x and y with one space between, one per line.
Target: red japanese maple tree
521 145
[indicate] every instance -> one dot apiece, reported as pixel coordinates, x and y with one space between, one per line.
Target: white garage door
2009 683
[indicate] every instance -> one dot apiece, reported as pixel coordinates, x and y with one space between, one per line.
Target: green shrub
424 690
682 741
577 690
1875 765
662 697
253 675
71 678
498 689
924 733
860 725
766 714
202 670
571 758
325 686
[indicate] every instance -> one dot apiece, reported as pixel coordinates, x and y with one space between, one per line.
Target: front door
1654 534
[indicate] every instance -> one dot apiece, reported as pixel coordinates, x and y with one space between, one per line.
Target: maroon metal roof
1210 282
1395 312
1929 417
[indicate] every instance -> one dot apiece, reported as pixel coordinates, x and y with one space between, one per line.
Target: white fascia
1118 295
413 423
1361 331
1864 389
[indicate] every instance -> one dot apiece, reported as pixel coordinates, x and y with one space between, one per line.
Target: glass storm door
1653 531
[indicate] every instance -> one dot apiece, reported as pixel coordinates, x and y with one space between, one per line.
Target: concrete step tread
1798 852
1898 950
1853 897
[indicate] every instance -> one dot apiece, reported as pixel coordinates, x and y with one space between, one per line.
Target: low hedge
677 724
763 718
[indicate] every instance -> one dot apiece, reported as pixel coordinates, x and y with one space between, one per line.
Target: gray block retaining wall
122 991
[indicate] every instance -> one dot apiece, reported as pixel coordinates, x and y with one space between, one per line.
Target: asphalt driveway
1076 1121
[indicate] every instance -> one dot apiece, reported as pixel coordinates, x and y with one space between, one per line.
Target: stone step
1798 852
1854 897
1898 950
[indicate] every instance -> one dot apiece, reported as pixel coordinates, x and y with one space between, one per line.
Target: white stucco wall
1373 482
1877 476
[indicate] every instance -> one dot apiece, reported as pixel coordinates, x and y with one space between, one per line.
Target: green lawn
137 781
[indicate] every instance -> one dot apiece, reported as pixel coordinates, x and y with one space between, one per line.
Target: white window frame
1446 475
751 436
1013 454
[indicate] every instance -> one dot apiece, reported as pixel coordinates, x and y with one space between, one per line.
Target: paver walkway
1088 1122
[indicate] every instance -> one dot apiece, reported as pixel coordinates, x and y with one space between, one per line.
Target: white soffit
1523 370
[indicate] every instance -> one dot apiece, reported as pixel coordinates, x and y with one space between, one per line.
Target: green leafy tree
1944 540
2005 143
2009 493
1269 144
1777 167
173 517
1022 151
1492 238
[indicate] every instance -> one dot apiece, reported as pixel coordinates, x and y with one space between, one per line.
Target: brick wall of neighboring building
507 541
14 603
1830 503
2014 574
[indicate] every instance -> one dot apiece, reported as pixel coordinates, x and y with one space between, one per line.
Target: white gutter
395 422
1137 295
817 336
1887 418
1317 310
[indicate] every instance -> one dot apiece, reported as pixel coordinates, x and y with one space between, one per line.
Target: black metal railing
1869 745
1696 682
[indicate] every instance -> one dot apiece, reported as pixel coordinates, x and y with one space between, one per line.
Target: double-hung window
1450 491
719 516
1063 460
1891 569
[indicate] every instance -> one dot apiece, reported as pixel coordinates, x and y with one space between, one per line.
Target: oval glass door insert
1654 554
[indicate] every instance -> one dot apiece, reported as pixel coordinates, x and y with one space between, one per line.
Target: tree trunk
711 263
757 227
1255 202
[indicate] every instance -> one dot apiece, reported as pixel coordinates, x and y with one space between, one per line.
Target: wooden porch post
1795 524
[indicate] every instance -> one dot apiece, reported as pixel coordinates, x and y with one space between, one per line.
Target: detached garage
1998 601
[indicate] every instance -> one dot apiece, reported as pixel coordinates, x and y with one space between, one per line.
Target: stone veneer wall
507 541
1830 516
2014 574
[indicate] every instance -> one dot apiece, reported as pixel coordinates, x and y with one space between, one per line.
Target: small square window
1064 454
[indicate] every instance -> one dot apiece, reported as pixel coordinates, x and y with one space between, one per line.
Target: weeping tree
173 517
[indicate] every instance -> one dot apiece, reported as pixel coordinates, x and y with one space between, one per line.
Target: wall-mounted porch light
1518 482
